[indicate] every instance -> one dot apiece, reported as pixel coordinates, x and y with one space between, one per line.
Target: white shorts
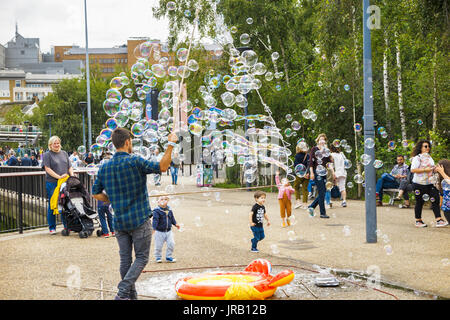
340 182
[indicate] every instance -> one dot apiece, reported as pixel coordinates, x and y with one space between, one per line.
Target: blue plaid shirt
124 179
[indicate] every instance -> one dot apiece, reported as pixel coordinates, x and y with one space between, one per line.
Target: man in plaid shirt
397 179
123 182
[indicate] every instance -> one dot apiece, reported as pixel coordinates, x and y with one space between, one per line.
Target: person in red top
285 192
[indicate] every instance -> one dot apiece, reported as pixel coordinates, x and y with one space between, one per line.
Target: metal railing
18 128
23 198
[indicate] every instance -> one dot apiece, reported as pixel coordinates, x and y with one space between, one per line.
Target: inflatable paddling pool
254 283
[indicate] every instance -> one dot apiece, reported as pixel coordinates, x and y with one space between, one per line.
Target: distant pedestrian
26 161
174 167
319 157
34 161
106 219
257 216
12 161
340 174
301 158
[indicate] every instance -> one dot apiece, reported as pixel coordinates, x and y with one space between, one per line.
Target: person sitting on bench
397 179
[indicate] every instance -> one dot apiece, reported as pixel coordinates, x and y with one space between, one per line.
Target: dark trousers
139 239
433 193
320 199
386 181
258 235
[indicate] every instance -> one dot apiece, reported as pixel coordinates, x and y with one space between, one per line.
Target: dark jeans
139 238
386 181
320 199
258 235
105 215
433 193
51 218
174 173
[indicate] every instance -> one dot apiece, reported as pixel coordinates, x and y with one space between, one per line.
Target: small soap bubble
369 143
274 249
171 5
198 221
358 178
346 230
377 164
245 38
388 249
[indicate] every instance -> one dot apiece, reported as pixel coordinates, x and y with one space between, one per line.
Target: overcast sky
61 22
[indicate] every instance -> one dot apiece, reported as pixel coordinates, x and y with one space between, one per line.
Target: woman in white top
424 180
340 174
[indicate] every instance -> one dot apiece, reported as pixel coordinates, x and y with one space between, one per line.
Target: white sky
61 22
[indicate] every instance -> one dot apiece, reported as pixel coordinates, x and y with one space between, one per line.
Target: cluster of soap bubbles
126 105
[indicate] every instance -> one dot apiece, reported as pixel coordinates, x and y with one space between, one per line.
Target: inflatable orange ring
255 282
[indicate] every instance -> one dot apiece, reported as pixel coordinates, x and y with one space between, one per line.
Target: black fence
23 198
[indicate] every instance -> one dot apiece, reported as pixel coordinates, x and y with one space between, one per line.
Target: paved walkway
215 233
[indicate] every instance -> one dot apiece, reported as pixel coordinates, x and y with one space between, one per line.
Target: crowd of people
422 177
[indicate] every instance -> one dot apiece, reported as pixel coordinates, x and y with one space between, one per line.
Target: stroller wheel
65 232
99 233
83 234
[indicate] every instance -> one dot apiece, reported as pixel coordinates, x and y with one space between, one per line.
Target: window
17 83
22 52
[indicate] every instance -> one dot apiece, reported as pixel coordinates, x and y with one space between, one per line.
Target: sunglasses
426 146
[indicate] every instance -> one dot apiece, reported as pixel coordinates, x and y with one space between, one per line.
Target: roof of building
121 50
12 74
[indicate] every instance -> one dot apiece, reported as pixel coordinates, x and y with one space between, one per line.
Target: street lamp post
88 78
83 105
369 133
26 122
49 116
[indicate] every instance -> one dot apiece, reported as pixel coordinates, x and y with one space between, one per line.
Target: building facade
22 50
18 86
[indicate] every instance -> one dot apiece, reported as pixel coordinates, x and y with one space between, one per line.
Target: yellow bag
55 196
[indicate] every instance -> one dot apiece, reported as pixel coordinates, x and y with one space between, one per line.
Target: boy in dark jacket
163 220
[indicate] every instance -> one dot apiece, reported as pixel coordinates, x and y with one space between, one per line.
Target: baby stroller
77 208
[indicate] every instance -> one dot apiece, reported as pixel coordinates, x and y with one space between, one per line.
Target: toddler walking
256 216
285 191
163 220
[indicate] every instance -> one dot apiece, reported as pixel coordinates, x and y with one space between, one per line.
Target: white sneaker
344 204
52 232
441 223
297 205
311 212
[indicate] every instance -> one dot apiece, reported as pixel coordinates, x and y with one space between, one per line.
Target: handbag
335 193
